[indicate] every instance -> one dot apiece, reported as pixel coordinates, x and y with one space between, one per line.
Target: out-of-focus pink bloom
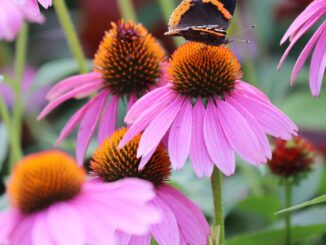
31 7
70 209
33 100
129 62
316 45
182 221
207 112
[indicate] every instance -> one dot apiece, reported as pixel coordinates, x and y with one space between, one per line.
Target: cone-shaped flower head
53 203
317 44
292 159
206 112
182 221
129 62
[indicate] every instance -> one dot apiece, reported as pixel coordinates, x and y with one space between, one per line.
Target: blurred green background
252 196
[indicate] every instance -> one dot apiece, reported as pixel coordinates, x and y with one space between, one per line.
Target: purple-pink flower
31 7
182 221
206 112
53 203
316 45
12 18
129 62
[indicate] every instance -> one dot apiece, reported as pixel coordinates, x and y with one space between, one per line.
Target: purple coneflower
53 203
129 62
208 113
314 12
182 221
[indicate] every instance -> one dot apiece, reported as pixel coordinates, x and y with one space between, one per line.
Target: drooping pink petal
318 64
239 133
300 20
88 126
156 130
191 221
132 100
45 3
71 83
255 126
218 147
144 159
22 232
40 231
123 238
180 136
247 88
147 115
140 240
63 221
156 97
305 52
301 31
75 119
201 161
89 88
167 231
8 221
109 120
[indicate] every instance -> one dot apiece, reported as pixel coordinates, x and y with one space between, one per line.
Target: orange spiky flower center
200 70
45 178
291 158
129 59
111 164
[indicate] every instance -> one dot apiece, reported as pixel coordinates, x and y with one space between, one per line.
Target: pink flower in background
208 113
317 44
12 18
33 99
129 62
31 7
182 221
70 209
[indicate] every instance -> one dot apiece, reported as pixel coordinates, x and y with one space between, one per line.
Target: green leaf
315 201
53 71
276 235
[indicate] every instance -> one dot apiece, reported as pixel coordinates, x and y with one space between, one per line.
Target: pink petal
156 97
148 114
75 119
318 64
201 161
88 126
239 133
255 126
217 145
191 221
305 52
156 130
144 159
45 3
272 120
8 220
247 88
140 240
180 136
167 231
71 83
63 221
40 232
90 88
22 232
123 238
109 120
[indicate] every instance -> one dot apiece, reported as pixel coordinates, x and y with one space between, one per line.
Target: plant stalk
127 10
287 215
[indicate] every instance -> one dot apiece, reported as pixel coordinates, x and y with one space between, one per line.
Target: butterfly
203 21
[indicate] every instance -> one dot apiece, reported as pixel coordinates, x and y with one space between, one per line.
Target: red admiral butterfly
203 21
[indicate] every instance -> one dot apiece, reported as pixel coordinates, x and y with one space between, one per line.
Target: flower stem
216 185
127 10
71 35
287 216
17 113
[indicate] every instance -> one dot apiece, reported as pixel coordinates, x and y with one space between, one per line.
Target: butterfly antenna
244 31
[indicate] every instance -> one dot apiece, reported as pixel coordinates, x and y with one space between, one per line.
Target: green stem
71 35
127 10
216 185
17 113
168 7
287 215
